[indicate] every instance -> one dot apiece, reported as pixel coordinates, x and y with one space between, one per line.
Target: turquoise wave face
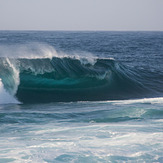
71 79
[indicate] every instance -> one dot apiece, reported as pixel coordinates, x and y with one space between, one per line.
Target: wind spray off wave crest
36 50
31 50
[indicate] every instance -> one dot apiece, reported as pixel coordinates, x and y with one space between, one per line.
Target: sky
107 15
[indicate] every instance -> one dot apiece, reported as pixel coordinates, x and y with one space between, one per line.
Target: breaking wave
71 79
38 73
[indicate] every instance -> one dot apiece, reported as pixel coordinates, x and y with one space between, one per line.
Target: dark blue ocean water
81 96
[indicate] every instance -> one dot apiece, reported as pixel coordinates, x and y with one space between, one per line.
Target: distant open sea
81 97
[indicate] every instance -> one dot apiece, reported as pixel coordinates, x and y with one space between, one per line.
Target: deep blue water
81 96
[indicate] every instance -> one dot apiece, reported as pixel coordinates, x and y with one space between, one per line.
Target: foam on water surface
158 100
5 97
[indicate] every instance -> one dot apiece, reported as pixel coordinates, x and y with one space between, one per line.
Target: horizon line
60 30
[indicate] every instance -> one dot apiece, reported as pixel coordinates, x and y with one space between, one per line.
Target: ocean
81 96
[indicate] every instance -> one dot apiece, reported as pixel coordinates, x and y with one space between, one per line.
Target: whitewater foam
5 97
15 76
158 100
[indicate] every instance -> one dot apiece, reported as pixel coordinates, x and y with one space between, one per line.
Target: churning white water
5 97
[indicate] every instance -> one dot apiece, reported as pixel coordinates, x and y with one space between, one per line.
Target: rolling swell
70 79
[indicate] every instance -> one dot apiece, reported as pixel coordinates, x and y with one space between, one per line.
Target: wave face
70 79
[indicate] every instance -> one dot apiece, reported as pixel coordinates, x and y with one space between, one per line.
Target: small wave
156 100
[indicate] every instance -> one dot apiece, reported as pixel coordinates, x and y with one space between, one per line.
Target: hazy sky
81 15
